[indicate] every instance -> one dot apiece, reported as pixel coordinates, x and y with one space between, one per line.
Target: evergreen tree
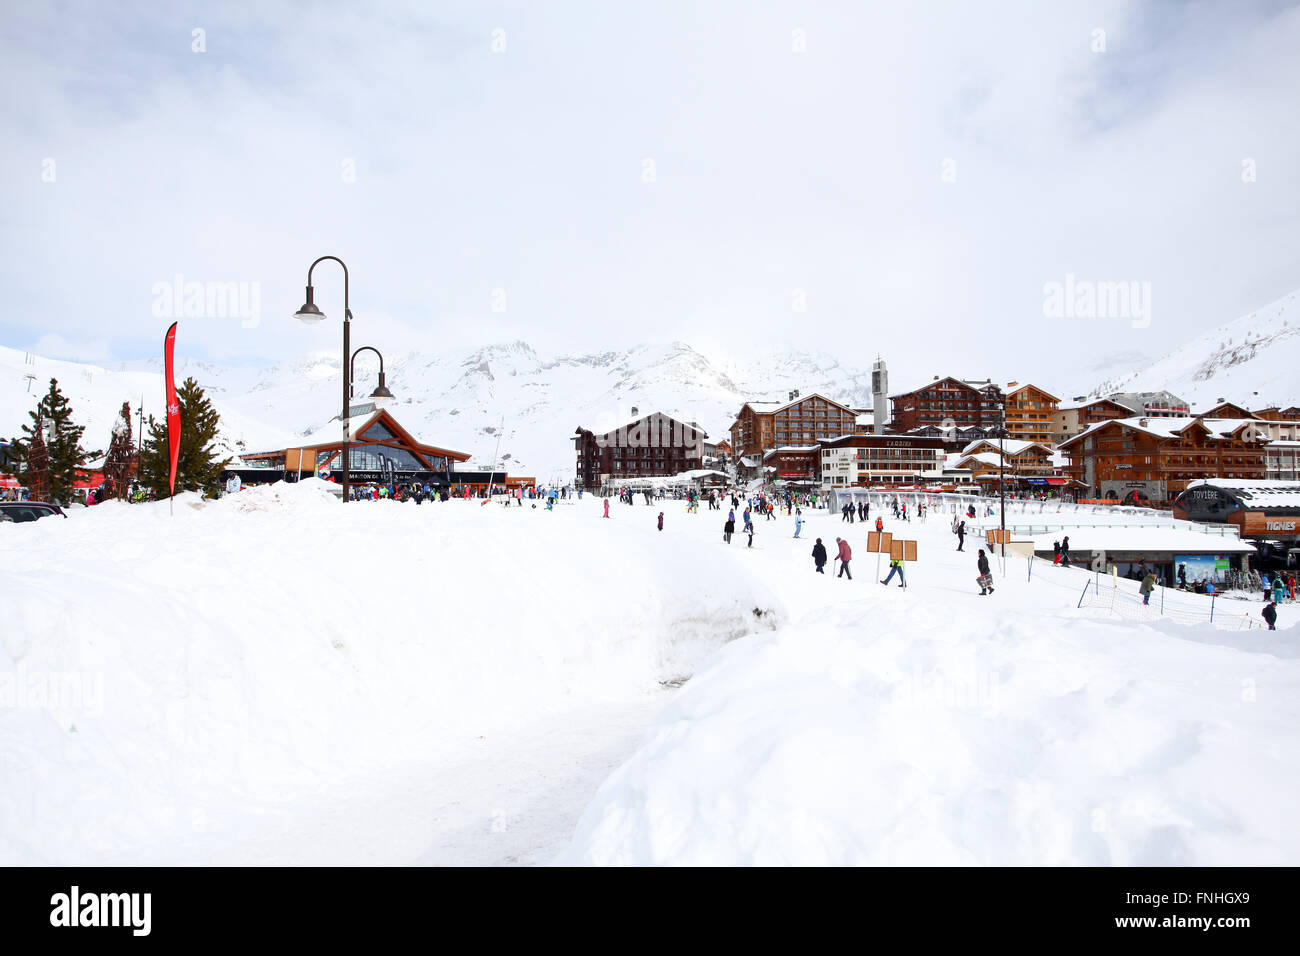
117 465
51 464
198 468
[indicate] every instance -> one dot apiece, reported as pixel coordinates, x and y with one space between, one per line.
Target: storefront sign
1259 524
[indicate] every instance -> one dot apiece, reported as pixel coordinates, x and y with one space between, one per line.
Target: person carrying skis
845 555
985 580
819 556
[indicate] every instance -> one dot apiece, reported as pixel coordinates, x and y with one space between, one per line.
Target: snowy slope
457 400
1251 361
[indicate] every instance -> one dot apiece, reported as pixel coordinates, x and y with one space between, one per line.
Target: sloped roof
331 435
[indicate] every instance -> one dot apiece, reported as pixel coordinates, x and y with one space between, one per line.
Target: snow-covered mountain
457 400
1252 361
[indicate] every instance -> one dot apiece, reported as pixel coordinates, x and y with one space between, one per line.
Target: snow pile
984 738
156 668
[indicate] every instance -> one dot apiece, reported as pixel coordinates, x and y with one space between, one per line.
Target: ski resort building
1029 412
652 446
1076 419
882 460
948 401
762 426
381 451
1265 510
1152 460
1159 404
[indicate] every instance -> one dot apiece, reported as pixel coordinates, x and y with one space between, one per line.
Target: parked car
28 510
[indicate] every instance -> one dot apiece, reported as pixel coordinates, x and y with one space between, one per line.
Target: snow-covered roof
985 457
1021 386
1153 540
1012 446
1165 427
790 450
1260 493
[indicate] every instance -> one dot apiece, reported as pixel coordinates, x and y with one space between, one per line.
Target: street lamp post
381 393
1002 493
310 314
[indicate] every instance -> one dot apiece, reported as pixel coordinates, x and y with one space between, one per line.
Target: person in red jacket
845 556
606 507
880 523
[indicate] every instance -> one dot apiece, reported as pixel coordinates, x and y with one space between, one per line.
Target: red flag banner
173 406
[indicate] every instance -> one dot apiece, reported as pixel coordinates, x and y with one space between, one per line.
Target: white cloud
521 171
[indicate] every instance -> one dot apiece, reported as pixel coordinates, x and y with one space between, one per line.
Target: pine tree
117 465
198 467
51 464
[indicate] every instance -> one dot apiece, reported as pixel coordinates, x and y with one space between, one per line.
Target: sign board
896 551
1202 567
886 542
910 552
873 542
1258 523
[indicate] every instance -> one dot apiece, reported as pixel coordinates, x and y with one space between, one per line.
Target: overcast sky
851 177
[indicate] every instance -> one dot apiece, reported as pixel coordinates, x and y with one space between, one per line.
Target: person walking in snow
661 521
961 535
985 580
845 556
819 556
606 506
880 523
750 531
729 528
1065 551
1148 585
798 522
1056 552
895 566
1269 614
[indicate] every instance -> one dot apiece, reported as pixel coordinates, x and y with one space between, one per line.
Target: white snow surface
278 678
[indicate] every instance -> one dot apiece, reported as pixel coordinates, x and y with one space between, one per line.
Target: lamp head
309 313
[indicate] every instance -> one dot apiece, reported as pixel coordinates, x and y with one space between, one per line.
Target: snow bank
261 645
973 738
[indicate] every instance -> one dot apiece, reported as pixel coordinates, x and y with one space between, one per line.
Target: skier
819 556
661 521
1056 552
985 580
729 528
845 556
749 530
961 536
1269 614
1065 551
1148 585
798 522
606 507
